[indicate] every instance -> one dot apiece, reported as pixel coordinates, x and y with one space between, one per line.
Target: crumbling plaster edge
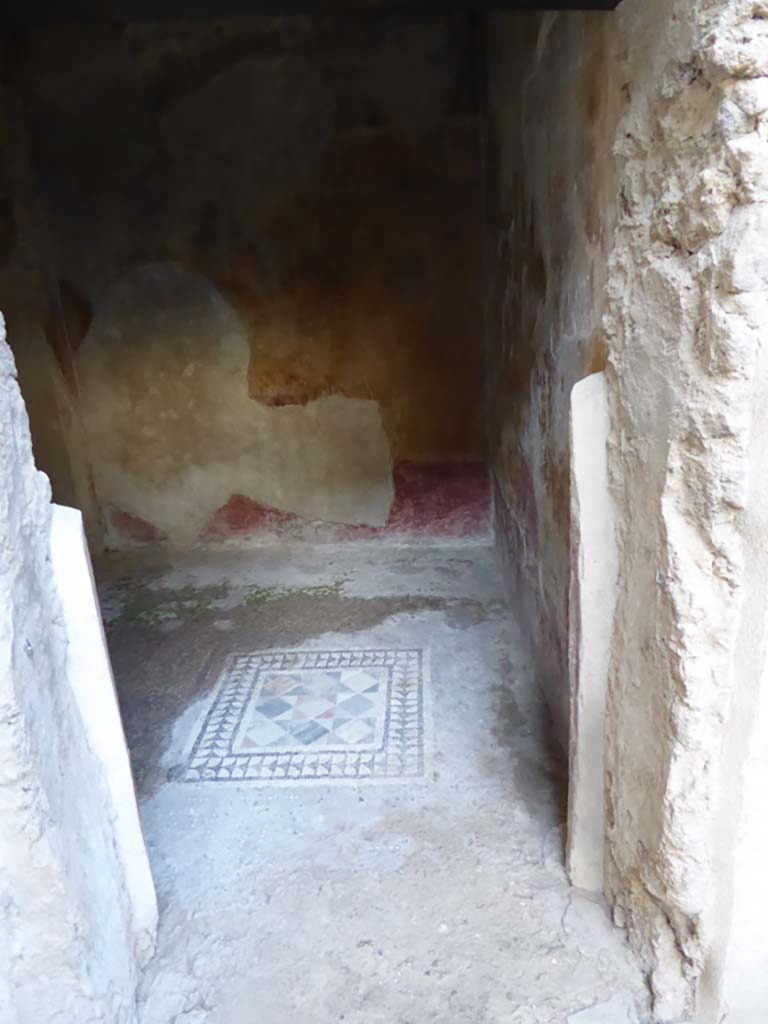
676 903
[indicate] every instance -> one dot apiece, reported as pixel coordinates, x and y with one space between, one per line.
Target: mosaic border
401 754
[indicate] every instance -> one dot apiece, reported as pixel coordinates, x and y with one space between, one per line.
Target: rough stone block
744 250
619 1009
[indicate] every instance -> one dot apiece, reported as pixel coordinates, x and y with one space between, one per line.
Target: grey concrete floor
440 899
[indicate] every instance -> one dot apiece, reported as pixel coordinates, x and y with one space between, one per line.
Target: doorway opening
298 304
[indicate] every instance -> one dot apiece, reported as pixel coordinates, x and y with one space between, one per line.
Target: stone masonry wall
65 929
685 325
634 174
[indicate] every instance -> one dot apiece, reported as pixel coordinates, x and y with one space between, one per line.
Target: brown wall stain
596 354
376 291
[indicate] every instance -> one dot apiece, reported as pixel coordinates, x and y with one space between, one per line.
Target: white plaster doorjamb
89 673
592 600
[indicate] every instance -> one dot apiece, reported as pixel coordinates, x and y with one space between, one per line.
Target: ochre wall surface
175 433
324 176
554 112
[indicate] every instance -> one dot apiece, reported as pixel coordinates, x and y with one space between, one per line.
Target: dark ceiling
38 13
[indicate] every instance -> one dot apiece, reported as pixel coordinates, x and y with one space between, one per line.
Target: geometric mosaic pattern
292 716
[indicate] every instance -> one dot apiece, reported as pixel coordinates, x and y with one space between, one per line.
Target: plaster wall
634 238
177 430
323 177
739 969
555 99
36 325
59 443
70 951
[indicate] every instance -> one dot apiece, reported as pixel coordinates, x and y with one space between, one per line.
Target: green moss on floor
150 606
261 595
130 604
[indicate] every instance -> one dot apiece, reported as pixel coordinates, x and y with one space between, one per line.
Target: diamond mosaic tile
282 716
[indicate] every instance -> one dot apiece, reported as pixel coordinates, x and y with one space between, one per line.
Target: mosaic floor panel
287 716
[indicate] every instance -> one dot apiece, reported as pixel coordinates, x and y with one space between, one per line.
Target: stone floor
351 809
